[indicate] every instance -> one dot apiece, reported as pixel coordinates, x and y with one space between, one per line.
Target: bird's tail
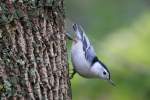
79 31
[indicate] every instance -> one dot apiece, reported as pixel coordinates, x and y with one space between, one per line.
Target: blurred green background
120 33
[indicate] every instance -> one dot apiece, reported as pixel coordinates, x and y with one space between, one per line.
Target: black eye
104 73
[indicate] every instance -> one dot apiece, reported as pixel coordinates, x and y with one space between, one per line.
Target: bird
84 59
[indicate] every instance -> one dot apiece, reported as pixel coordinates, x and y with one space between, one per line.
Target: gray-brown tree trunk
33 55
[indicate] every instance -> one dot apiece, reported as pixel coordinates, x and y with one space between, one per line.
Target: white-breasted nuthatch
84 59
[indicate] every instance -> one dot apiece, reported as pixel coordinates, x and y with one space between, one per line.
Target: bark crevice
33 55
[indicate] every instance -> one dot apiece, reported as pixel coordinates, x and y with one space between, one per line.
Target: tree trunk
33 55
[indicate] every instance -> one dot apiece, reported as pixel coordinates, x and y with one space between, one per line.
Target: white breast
78 59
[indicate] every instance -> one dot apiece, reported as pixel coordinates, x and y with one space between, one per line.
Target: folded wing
87 47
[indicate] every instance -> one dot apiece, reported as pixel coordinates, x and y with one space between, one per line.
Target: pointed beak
111 82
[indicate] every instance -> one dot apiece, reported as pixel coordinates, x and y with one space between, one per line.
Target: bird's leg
69 36
72 74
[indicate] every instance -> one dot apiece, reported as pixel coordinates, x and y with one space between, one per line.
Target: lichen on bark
33 55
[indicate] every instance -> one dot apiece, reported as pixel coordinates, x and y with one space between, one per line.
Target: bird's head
102 72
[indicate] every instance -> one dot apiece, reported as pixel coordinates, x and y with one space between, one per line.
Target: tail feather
80 34
79 31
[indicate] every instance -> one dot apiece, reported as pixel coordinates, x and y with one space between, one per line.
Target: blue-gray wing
87 47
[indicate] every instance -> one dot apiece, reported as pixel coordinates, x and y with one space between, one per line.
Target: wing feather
87 47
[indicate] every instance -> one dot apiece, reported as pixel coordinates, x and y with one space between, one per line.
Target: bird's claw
72 74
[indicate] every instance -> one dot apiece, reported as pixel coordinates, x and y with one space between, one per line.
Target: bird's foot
72 74
69 36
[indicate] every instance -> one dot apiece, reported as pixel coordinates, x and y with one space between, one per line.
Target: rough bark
33 55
